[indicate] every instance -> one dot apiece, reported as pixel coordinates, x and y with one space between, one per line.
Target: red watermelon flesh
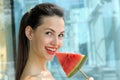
70 62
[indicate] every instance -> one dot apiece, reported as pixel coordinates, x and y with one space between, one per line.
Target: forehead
54 22
53 19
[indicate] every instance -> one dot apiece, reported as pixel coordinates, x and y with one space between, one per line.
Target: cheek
60 43
38 41
47 40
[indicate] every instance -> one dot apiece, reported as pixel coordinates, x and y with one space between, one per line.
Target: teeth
51 49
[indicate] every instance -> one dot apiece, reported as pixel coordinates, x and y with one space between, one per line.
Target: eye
61 35
48 33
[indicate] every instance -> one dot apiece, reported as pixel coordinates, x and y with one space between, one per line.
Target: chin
49 58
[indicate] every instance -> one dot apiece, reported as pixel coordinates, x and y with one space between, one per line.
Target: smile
51 51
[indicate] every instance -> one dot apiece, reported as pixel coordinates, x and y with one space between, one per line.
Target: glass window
6 42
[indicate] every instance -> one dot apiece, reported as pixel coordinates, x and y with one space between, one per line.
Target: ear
29 32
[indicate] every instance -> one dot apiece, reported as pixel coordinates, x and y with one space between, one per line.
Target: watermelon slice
70 62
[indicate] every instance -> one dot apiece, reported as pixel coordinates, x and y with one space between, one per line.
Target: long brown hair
32 18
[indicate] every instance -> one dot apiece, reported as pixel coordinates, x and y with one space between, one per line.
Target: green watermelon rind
78 66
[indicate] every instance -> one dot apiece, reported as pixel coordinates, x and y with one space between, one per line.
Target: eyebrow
53 30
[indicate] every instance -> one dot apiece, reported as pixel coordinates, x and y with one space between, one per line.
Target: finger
91 78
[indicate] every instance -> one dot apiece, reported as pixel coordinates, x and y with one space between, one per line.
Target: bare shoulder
30 78
41 76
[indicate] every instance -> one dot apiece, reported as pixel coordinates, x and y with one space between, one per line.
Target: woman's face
48 37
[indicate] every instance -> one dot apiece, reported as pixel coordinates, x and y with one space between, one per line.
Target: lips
50 50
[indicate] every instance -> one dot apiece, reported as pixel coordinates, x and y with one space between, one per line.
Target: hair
32 18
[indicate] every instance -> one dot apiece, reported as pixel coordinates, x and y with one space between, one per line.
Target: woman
40 36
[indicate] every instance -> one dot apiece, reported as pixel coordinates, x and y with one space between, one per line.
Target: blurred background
92 29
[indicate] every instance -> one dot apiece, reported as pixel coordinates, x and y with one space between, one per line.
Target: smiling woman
40 36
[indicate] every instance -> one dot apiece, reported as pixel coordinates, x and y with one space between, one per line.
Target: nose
55 41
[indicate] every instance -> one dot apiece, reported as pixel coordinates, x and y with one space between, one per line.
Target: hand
91 78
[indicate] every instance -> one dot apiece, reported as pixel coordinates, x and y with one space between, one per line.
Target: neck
35 64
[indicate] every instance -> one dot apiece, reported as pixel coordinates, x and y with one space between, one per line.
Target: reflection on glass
6 42
2 42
